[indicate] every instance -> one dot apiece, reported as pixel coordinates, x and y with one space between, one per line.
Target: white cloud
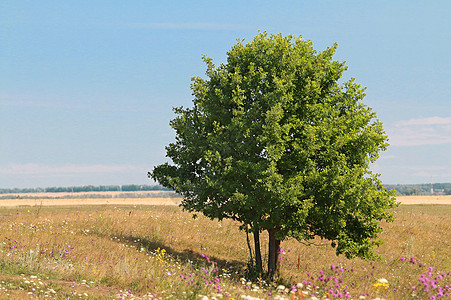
36 169
430 171
387 156
426 121
41 175
421 131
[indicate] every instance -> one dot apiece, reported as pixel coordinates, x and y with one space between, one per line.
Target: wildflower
382 282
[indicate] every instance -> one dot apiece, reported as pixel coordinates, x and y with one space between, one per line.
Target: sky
87 87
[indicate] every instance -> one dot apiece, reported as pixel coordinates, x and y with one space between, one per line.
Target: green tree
274 141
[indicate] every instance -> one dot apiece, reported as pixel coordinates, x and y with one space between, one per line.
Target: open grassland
100 252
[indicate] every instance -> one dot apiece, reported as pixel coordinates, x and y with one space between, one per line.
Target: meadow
146 252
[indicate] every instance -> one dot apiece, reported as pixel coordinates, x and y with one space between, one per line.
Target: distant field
112 194
143 198
445 199
89 201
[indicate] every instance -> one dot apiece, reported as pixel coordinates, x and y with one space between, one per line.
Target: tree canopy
276 142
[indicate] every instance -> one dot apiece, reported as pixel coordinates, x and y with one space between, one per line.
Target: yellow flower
382 282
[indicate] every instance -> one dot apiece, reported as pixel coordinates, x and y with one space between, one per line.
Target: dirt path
171 201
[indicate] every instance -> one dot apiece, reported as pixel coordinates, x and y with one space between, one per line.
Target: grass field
125 252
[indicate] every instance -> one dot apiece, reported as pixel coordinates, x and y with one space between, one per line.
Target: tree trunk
249 244
273 255
258 254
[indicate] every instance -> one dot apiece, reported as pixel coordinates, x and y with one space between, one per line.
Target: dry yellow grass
433 199
38 200
89 201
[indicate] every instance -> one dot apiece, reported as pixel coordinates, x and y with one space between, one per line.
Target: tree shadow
197 259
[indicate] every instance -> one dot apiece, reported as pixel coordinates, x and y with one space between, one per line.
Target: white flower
382 280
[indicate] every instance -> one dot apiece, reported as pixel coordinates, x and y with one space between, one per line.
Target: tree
274 141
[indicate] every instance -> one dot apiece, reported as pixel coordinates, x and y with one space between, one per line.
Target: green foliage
274 141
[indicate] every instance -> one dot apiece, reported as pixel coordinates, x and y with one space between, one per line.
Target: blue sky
87 87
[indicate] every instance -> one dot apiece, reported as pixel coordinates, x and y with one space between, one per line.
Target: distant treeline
401 189
87 188
421 189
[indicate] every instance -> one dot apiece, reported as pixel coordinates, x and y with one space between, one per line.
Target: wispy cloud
426 121
38 101
421 131
430 171
64 103
41 104
34 169
387 156
187 26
